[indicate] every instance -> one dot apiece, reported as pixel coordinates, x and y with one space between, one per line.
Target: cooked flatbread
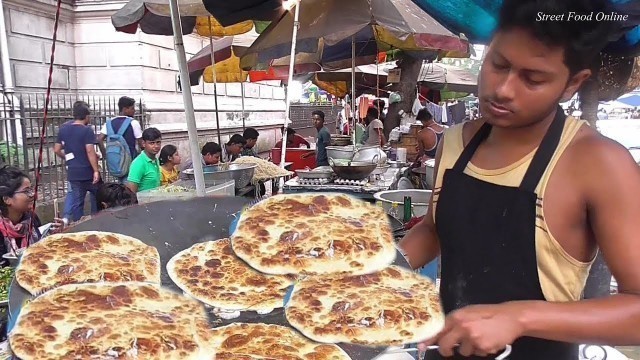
261 341
112 321
314 234
211 273
86 257
394 306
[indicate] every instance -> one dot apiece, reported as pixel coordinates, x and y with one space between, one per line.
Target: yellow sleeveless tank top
562 277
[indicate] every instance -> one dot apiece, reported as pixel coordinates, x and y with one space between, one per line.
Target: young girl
169 160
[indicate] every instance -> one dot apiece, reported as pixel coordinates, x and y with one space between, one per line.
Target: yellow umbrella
213 28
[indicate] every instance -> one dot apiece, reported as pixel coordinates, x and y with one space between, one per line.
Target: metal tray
323 172
172 226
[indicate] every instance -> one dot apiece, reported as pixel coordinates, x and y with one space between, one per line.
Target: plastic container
226 188
401 154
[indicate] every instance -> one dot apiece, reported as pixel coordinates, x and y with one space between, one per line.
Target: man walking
76 145
131 133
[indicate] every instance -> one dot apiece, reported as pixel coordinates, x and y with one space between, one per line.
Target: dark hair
166 152
581 40
11 179
125 102
80 110
373 112
237 139
424 114
115 195
290 130
151 134
319 113
211 148
250 133
380 104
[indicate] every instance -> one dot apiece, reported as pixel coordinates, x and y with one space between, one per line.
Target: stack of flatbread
86 257
342 248
100 297
211 273
110 321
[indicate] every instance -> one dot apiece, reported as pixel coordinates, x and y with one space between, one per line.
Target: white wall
91 57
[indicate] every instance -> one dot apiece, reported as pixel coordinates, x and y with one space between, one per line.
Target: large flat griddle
175 225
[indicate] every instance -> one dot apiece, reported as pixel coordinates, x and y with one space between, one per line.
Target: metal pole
187 98
353 88
294 38
215 80
4 53
243 118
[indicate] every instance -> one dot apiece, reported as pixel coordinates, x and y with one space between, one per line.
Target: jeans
68 202
75 199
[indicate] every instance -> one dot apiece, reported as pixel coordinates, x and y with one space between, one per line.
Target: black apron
487 239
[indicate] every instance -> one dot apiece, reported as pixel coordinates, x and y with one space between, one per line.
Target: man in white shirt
133 135
375 129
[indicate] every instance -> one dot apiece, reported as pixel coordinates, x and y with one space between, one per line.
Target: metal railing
21 121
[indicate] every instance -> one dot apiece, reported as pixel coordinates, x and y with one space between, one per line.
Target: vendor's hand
57 226
479 330
96 177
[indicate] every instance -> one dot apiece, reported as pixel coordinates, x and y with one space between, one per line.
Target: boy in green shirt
144 173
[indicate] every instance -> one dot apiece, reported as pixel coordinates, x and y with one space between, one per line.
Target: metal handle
502 356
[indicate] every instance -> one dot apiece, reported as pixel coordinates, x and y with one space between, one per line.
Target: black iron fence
21 119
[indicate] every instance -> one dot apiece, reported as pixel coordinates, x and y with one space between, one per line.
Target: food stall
358 171
173 226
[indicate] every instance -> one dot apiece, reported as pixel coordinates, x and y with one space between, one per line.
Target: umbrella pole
294 38
353 88
243 119
215 80
187 97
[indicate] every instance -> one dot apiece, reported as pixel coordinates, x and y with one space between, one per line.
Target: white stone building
92 58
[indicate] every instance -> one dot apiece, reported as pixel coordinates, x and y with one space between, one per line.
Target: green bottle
407 209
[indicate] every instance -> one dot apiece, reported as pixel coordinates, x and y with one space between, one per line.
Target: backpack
118 153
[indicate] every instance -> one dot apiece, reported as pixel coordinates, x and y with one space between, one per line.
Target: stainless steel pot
419 201
240 173
340 152
369 153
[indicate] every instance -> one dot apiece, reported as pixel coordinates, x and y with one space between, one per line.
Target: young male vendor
525 197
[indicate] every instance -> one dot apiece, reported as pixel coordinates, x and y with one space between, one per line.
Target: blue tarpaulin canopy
477 19
632 100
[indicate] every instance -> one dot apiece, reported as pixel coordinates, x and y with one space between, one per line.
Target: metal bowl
419 201
322 172
380 169
340 140
240 173
340 152
370 154
356 170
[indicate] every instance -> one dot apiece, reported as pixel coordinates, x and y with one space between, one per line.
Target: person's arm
103 150
137 133
326 138
304 141
612 215
421 244
89 144
57 148
381 137
135 177
93 160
